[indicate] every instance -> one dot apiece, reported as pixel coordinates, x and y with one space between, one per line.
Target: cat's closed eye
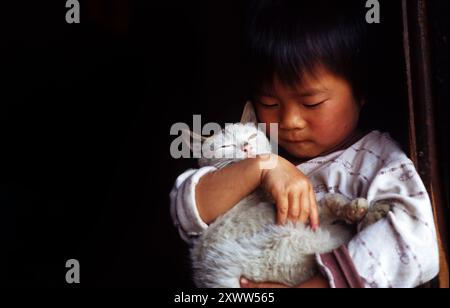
228 146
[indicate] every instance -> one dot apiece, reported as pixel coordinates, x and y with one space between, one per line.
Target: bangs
290 39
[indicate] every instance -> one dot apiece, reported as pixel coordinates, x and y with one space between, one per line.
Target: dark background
86 111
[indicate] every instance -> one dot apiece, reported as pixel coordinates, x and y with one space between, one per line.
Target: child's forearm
218 191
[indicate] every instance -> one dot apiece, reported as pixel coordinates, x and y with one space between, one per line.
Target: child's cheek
332 130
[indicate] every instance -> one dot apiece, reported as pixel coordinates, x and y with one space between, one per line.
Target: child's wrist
265 162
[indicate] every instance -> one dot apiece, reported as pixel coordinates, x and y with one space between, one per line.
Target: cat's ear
190 138
249 114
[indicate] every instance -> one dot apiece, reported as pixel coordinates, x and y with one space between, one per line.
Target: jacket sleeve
183 207
398 251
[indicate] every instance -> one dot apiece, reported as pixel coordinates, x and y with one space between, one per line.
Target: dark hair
291 38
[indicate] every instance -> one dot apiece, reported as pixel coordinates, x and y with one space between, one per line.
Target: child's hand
292 192
247 284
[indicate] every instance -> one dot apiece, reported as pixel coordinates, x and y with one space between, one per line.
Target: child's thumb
244 283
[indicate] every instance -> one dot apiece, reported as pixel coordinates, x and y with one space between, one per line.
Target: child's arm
200 196
219 191
398 251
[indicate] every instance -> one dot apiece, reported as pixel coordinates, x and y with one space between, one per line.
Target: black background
86 111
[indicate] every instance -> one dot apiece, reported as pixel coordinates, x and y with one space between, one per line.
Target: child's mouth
293 140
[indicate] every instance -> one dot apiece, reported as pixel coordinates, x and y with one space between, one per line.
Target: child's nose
291 118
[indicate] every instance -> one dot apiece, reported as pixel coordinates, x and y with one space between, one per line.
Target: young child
309 66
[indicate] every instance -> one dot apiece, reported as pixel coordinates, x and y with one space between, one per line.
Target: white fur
233 137
246 242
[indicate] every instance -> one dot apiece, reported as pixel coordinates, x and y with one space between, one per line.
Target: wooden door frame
422 124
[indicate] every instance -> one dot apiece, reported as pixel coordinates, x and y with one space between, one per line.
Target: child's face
315 117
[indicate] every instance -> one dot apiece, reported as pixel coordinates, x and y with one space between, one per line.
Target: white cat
245 241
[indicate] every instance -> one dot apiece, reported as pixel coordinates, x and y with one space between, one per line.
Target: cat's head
235 142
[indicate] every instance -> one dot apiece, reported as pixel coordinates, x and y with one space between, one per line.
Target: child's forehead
309 85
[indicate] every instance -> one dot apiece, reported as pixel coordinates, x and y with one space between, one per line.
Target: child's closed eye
313 106
275 105
267 102
266 105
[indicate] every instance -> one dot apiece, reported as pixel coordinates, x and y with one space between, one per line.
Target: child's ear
249 114
188 134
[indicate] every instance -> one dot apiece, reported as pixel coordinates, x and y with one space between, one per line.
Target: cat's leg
342 208
376 212
333 203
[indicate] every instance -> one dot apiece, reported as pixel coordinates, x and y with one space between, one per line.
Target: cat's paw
335 203
356 210
375 213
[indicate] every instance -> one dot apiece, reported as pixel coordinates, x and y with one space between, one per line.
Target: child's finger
315 221
245 283
294 207
282 209
305 208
